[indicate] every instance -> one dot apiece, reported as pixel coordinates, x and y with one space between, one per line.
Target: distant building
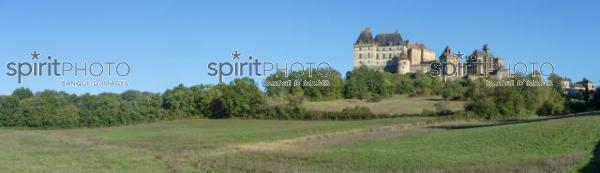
578 87
483 63
389 52
384 52
451 64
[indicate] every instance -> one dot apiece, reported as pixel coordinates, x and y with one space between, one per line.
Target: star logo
459 55
34 55
236 55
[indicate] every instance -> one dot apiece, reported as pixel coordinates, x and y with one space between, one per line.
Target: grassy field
384 145
175 146
398 104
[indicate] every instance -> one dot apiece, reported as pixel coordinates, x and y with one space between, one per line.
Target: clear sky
171 42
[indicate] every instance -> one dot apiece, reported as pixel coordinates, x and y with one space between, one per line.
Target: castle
389 52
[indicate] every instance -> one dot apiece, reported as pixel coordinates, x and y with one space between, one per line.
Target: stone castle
389 52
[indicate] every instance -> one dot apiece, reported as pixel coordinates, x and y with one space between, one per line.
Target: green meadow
409 144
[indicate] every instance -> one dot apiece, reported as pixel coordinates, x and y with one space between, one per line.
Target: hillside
397 104
383 145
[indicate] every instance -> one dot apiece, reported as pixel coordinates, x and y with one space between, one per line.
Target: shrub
10 111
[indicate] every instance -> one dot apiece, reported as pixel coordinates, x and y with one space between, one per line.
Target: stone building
577 87
404 64
482 63
451 64
383 52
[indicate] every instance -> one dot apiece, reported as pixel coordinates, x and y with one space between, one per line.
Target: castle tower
451 64
364 49
403 63
481 62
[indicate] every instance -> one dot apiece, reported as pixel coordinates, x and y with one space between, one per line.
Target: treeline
484 101
59 109
504 102
241 98
366 84
329 85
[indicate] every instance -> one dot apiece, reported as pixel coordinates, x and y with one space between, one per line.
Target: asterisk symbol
35 55
236 55
459 54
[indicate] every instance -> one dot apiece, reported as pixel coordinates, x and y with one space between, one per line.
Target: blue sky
171 42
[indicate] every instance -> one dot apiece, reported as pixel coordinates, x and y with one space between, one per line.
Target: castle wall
428 55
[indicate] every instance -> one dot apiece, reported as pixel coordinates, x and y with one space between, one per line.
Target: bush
443 108
48 109
10 111
241 98
106 110
514 102
315 93
595 102
366 83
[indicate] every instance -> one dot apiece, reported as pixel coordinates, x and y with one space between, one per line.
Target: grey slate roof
382 39
365 37
389 39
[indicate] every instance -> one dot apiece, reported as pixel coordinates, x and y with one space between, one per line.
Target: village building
577 87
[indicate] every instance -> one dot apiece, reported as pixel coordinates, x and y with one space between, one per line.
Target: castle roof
389 39
585 82
365 37
447 53
382 39
484 54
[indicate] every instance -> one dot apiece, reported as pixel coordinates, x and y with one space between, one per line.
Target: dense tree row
514 101
242 98
315 85
49 108
364 83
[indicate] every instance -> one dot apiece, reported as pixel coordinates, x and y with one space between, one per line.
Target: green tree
240 98
49 109
179 102
22 93
453 89
147 105
366 83
106 109
316 84
514 102
10 111
595 102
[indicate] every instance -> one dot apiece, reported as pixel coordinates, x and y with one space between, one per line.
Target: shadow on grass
509 122
594 165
